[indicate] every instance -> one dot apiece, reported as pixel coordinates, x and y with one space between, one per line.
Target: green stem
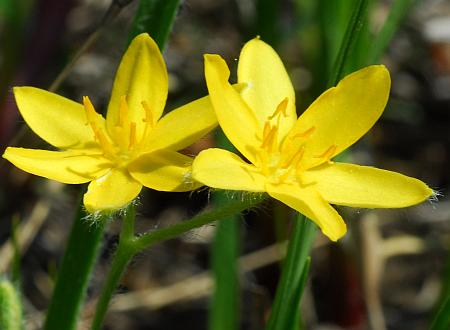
130 245
351 35
122 257
74 273
224 211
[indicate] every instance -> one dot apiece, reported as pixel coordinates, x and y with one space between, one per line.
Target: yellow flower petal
183 126
111 192
222 169
268 83
164 170
237 120
363 186
141 77
59 121
341 115
308 202
73 166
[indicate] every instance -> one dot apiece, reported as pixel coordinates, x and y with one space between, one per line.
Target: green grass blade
442 319
293 276
155 17
296 321
10 306
396 15
352 31
224 313
333 19
73 276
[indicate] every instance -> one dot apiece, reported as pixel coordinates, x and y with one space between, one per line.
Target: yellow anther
148 114
281 108
123 111
91 114
294 159
107 147
305 134
266 130
269 142
133 139
100 136
328 153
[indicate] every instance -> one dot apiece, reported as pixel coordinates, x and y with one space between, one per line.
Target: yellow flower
132 147
290 158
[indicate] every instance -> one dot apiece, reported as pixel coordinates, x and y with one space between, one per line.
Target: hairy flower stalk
290 158
132 147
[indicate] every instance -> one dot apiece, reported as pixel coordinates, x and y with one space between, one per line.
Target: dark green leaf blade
74 273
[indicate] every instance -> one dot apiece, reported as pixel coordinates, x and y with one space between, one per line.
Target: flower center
285 164
122 144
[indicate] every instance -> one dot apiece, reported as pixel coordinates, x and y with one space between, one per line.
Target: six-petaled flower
130 148
290 158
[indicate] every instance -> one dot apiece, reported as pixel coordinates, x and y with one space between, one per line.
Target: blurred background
389 272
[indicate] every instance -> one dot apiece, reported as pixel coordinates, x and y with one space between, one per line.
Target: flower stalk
130 245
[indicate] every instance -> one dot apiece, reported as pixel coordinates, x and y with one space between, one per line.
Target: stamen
294 159
91 114
281 108
270 140
148 114
123 111
133 140
107 147
99 135
266 130
328 153
305 134
262 161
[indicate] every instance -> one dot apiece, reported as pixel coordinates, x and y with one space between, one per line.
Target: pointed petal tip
22 91
255 42
143 38
216 64
211 58
335 235
377 70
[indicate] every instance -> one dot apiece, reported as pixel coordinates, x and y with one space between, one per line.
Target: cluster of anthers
124 143
280 158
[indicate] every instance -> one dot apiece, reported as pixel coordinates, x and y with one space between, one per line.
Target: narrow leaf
74 273
397 13
225 251
224 313
10 306
351 35
296 315
155 17
287 298
442 319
